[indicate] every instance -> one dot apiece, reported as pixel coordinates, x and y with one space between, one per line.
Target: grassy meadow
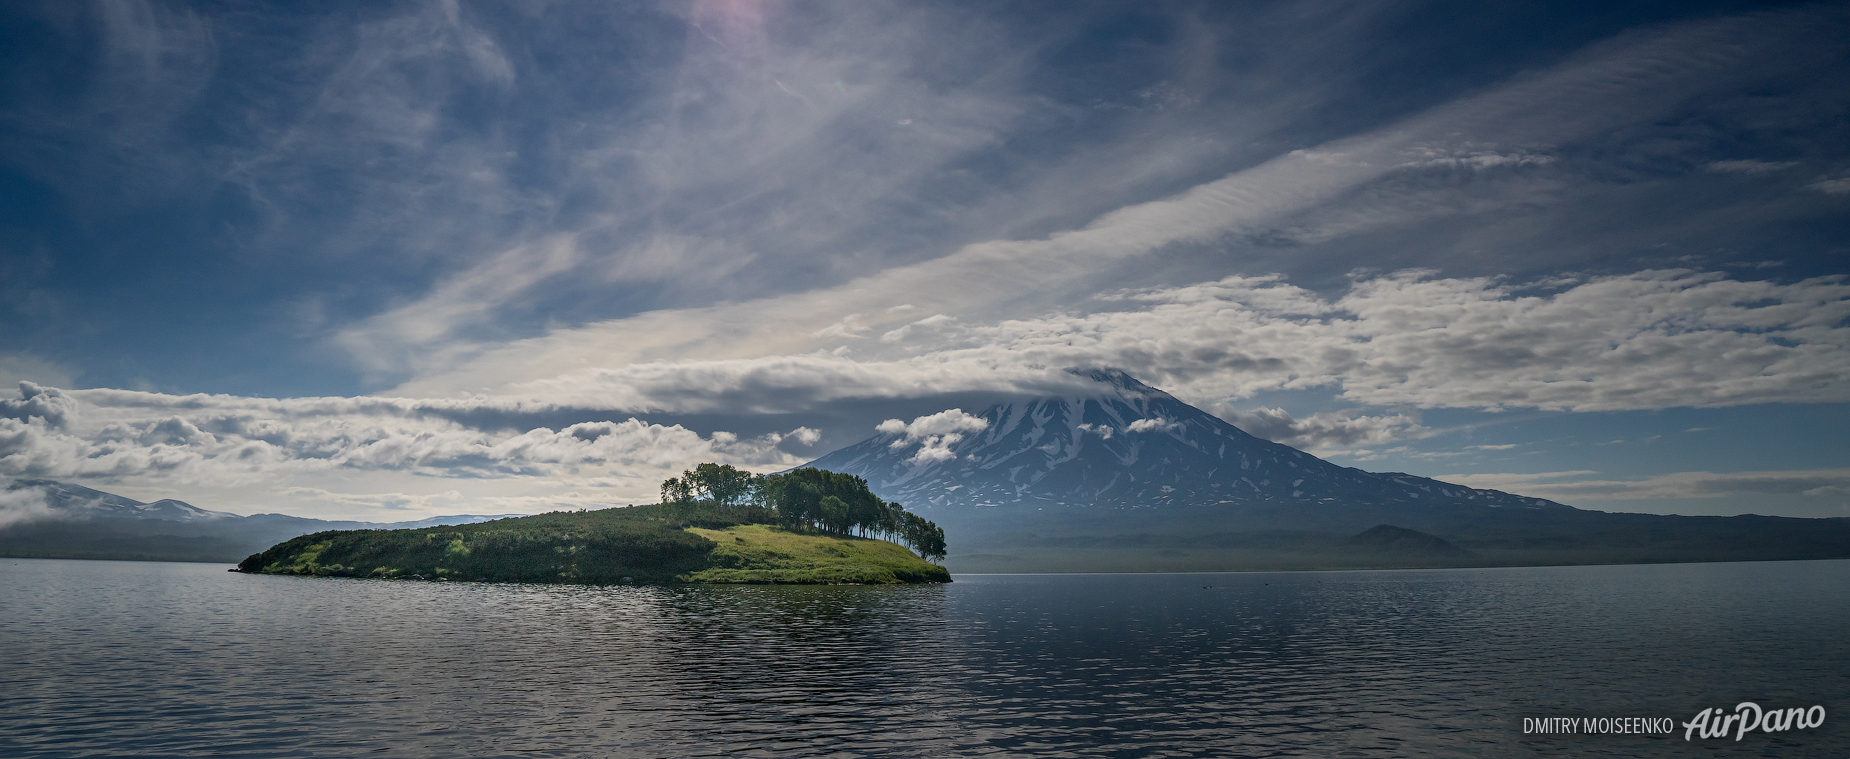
763 554
636 544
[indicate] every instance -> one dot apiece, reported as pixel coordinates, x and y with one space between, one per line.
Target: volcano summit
1126 446
1126 467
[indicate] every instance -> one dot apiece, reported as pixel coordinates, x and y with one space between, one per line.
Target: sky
391 260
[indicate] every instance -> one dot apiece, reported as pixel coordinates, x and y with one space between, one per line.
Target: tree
924 537
837 515
892 518
935 546
812 499
726 486
795 497
677 491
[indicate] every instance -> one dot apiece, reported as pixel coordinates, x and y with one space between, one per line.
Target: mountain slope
67 501
1126 446
1127 478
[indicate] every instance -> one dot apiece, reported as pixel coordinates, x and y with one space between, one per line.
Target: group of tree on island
804 499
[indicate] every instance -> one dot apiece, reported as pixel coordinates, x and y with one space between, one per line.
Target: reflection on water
104 658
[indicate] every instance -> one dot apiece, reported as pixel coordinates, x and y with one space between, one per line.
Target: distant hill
57 520
1386 539
1128 478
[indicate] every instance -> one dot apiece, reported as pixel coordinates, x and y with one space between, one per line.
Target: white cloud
1654 339
385 501
1474 157
1832 186
23 505
459 303
804 436
1399 452
1326 431
1649 340
934 433
206 442
47 404
849 326
1151 425
902 333
948 421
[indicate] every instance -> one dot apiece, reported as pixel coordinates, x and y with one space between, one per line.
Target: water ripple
152 660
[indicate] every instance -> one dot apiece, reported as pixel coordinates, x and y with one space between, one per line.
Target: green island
715 524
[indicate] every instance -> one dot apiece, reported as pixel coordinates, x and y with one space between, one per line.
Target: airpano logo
1748 717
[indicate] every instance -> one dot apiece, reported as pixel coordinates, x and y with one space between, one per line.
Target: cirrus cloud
1647 340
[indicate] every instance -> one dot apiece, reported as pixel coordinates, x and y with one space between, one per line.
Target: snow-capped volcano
1126 445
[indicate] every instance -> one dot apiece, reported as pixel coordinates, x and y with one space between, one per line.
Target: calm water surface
148 660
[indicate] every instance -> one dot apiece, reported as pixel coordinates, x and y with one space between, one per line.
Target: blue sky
388 258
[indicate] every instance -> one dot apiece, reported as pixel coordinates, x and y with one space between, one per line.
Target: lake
154 659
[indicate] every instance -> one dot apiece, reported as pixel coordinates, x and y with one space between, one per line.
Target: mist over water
149 659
